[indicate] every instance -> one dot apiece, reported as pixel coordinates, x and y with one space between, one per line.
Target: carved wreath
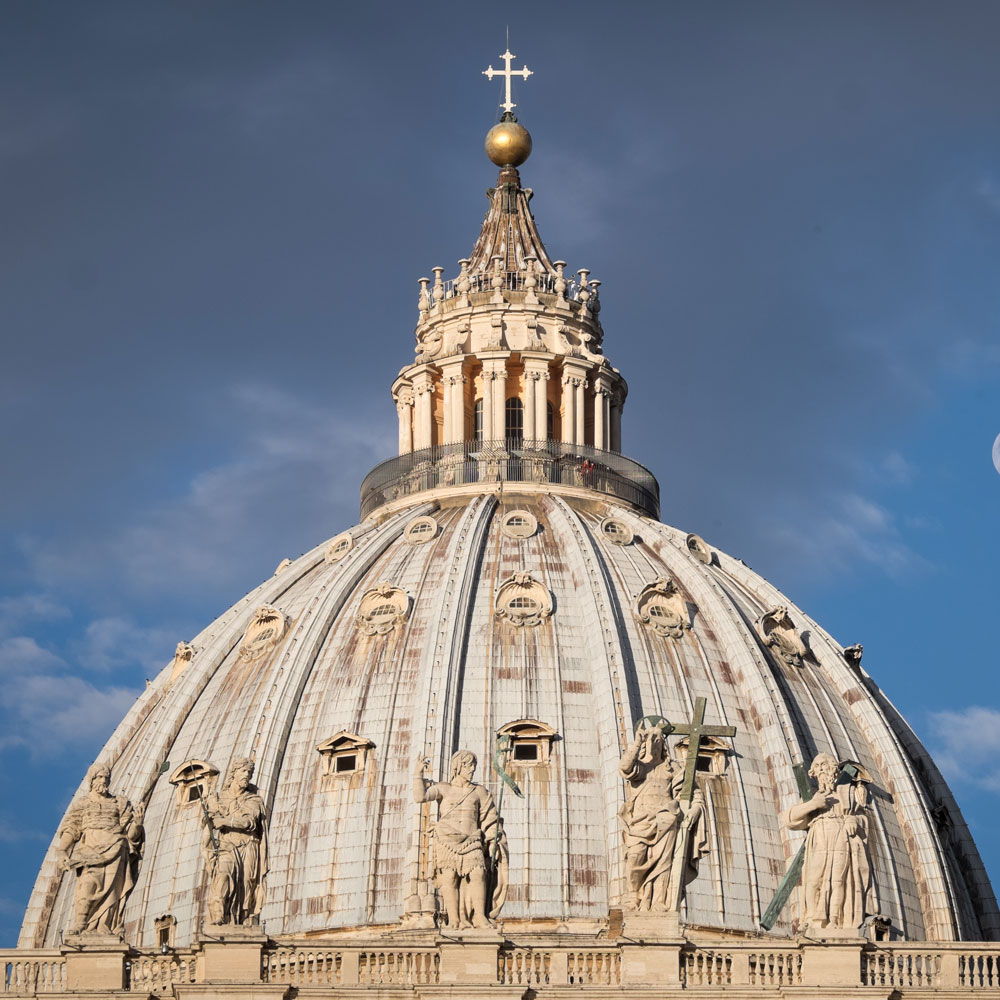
382 609
661 607
265 631
778 631
522 600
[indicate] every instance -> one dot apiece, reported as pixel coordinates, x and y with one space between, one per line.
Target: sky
214 215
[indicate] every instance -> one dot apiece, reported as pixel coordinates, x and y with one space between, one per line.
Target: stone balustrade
751 966
30 971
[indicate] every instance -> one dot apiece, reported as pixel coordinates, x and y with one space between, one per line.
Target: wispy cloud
46 709
296 464
954 753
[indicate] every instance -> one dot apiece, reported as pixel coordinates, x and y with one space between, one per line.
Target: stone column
581 410
500 400
454 405
536 375
530 378
423 391
617 402
568 407
602 394
404 409
487 405
542 405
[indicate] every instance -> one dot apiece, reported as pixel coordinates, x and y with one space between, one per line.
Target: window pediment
194 779
661 608
383 609
266 629
521 600
344 753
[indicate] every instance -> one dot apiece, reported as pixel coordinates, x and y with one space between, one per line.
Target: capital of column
574 380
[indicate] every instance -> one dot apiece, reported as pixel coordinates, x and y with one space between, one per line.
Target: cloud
294 469
46 709
836 531
950 745
10 834
112 643
19 609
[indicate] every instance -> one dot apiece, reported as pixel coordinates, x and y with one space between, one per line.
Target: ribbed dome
449 672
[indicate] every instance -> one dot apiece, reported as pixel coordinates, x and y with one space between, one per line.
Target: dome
349 849
510 591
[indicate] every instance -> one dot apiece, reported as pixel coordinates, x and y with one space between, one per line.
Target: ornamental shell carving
521 600
382 609
265 631
779 634
661 607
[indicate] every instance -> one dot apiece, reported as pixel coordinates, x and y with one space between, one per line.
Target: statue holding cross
663 814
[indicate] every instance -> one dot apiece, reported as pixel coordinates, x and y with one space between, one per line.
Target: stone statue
657 826
837 880
101 840
237 827
469 845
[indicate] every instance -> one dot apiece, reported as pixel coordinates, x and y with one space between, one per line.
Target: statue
469 845
237 827
101 839
664 836
837 880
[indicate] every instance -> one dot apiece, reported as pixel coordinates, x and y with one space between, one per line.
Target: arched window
477 420
550 422
514 421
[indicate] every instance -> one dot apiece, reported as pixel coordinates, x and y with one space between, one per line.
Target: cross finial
508 105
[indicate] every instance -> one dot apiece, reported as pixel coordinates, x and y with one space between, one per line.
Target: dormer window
194 780
713 754
530 741
344 754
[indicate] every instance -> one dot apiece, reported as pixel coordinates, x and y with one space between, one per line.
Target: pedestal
651 949
94 962
836 962
230 954
470 956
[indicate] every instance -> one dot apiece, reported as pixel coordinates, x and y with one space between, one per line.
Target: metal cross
695 730
507 73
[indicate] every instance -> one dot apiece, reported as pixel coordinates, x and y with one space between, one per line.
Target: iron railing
511 460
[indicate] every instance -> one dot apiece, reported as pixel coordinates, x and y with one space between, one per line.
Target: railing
594 968
158 973
952 967
398 968
513 460
524 967
775 968
702 967
26 972
513 281
303 966
979 970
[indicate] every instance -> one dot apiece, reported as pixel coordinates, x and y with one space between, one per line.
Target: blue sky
214 216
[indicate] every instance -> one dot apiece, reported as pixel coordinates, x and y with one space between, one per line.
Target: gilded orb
508 144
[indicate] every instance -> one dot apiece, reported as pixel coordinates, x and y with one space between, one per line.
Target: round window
615 531
339 547
420 530
519 524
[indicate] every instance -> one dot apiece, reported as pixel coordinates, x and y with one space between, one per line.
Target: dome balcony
468 466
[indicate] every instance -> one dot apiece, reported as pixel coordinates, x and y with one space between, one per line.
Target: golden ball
508 144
